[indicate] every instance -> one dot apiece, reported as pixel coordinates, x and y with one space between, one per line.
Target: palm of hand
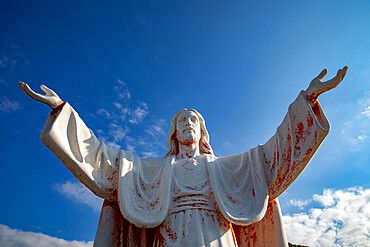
317 86
50 98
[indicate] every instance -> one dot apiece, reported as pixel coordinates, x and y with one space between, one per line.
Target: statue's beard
187 138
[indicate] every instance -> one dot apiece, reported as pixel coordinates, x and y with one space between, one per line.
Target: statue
190 197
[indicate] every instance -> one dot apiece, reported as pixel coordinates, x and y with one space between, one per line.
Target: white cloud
100 132
113 145
327 199
122 90
118 105
343 220
362 137
139 113
149 154
347 125
119 81
8 105
298 203
355 131
366 112
104 112
18 238
130 148
157 129
124 95
120 111
124 117
117 132
80 194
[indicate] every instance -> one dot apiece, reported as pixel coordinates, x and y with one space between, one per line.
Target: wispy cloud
157 129
79 194
4 61
17 238
343 219
123 117
356 131
149 154
104 112
139 113
7 105
366 112
117 131
122 90
299 203
11 61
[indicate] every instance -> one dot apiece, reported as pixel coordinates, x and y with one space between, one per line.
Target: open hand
317 86
50 98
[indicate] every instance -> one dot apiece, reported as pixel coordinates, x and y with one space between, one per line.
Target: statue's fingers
322 74
335 80
47 90
21 85
25 88
344 72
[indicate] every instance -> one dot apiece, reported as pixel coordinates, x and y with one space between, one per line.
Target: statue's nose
189 123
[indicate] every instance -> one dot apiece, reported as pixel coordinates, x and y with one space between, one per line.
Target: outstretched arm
299 136
66 135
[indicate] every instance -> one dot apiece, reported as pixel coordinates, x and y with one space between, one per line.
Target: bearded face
188 128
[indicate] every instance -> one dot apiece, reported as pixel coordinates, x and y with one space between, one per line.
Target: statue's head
188 126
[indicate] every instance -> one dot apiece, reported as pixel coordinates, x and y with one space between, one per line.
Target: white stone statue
190 197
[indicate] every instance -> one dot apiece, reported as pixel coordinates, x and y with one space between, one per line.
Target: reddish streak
171 233
309 120
231 199
299 132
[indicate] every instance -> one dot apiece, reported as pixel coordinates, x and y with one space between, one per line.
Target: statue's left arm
299 136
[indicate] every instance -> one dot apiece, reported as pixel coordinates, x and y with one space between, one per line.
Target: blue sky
128 66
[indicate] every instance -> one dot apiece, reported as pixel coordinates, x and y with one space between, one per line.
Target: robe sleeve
294 144
90 160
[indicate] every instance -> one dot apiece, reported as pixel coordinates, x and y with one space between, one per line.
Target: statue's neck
189 150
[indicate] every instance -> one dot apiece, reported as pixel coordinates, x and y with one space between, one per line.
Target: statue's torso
193 219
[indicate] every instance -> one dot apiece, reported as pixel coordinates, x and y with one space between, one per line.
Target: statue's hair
173 143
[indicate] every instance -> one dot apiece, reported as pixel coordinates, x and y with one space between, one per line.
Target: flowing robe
137 192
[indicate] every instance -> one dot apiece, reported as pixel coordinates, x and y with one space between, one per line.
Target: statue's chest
190 176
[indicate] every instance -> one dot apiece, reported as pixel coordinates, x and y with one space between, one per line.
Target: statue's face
188 128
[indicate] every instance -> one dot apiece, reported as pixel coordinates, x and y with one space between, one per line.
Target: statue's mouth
188 129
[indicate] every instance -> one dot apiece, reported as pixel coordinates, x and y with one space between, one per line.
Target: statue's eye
194 119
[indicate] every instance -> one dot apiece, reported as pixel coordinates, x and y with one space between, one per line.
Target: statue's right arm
67 136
